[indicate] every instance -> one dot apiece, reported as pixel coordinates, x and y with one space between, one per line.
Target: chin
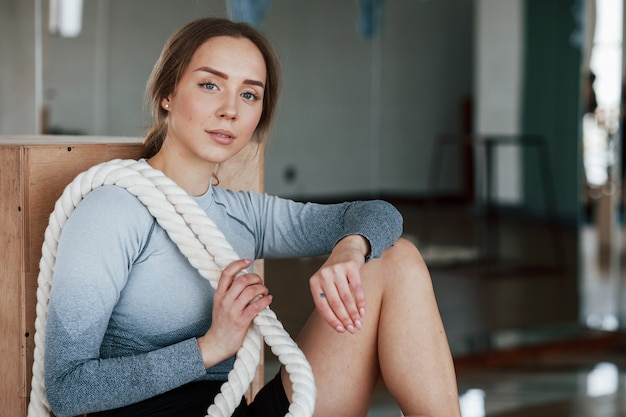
216 157
220 156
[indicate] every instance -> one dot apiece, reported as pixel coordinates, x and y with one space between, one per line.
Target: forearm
77 387
296 229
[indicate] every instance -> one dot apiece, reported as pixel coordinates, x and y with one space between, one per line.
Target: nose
228 107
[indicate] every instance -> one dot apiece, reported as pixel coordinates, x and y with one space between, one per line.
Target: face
218 102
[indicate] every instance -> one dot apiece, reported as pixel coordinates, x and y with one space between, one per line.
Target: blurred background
495 126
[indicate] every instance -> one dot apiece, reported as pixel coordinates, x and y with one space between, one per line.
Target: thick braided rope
206 248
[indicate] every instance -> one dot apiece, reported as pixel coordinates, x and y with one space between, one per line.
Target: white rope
206 248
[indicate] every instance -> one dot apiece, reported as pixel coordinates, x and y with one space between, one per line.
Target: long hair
175 57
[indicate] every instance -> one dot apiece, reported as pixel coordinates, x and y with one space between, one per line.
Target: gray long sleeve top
126 306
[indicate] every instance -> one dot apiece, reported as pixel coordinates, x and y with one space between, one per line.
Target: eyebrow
225 76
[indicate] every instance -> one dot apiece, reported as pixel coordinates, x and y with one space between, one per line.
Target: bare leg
402 340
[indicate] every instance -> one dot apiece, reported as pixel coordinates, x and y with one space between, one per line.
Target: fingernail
362 311
340 328
351 328
358 324
248 261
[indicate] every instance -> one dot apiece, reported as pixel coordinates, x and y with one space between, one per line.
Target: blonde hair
175 57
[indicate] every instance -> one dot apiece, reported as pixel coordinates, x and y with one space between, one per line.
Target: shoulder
111 206
239 201
256 204
112 197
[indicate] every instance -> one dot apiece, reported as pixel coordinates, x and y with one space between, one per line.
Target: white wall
498 83
94 84
359 117
323 125
17 67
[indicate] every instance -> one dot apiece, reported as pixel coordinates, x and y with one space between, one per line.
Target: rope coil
207 250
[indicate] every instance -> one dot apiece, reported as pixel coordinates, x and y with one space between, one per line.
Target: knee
404 270
405 256
404 251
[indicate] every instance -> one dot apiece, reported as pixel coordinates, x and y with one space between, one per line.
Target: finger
248 303
234 298
351 318
228 274
326 312
243 281
253 289
256 306
354 279
234 303
331 307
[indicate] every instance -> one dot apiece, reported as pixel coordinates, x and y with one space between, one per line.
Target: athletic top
126 306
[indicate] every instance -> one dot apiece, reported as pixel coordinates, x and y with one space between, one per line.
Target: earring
167 105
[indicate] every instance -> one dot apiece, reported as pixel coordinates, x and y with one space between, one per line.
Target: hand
236 303
336 286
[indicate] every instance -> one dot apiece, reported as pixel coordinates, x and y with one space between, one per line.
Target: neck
194 178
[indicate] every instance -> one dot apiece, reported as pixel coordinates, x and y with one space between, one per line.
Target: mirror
464 114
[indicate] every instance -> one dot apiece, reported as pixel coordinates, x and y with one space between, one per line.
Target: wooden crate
34 172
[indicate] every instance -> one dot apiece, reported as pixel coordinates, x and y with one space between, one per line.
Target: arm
284 228
367 228
352 233
98 247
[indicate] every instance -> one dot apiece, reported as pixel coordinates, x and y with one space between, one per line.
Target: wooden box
34 172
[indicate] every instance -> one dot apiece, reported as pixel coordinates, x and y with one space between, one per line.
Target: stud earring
167 105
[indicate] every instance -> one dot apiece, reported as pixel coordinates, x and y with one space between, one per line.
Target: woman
134 329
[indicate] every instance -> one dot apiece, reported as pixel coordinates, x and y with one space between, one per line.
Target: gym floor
510 305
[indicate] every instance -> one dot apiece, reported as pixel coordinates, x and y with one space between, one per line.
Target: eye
208 86
250 96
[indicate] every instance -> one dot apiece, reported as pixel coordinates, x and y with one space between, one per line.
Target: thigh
345 366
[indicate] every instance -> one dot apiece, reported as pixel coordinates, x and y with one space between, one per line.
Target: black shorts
193 400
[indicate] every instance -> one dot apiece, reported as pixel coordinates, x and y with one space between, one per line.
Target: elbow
398 222
394 218
59 407
59 400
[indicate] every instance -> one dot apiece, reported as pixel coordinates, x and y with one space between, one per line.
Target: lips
221 136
